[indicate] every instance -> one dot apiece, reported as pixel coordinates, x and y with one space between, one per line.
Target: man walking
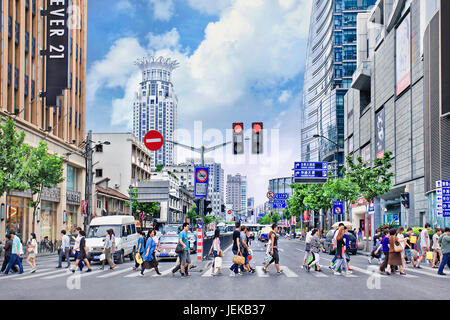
8 249
64 250
185 258
236 248
424 244
15 253
444 242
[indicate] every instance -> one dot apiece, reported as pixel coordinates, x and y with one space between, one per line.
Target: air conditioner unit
116 186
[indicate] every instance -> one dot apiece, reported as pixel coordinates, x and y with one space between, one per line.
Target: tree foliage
42 170
267 219
13 155
208 220
149 209
192 214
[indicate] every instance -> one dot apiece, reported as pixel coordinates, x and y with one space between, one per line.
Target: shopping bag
102 257
267 258
138 258
413 239
429 255
217 262
237 259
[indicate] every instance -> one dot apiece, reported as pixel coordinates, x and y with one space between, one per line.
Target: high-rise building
330 63
155 106
237 193
43 112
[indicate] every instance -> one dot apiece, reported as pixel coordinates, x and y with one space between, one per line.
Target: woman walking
437 252
107 250
149 258
395 257
82 254
340 254
32 252
140 248
215 250
273 250
316 246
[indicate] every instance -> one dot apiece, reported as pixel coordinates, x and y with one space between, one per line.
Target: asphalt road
295 283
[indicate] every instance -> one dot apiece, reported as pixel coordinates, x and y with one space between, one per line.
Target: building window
72 178
99 173
99 203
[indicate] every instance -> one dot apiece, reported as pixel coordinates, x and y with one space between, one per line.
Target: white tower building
155 106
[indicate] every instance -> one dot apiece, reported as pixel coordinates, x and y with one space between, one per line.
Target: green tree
267 219
13 155
208 220
296 203
372 180
192 214
43 170
159 167
343 189
149 209
275 218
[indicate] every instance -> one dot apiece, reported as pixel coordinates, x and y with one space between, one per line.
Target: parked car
125 234
171 230
263 234
166 246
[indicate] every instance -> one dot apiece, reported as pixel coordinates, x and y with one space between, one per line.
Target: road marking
20 275
368 272
288 272
208 273
260 272
67 273
87 274
35 275
133 275
163 273
435 275
115 273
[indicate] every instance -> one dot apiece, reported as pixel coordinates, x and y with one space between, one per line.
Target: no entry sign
153 140
229 211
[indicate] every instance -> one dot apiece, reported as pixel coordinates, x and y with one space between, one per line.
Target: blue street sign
281 196
446 213
201 180
199 225
371 209
311 166
445 184
338 207
279 205
310 173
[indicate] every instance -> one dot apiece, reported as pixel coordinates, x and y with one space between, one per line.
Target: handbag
398 248
238 259
267 258
102 257
138 258
179 249
217 262
429 255
221 254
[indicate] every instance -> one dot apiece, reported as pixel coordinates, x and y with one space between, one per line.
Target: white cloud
211 7
124 5
169 40
162 9
285 96
254 48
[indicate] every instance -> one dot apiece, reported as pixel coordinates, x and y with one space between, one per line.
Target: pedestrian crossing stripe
22 275
435 275
36 275
115 272
163 273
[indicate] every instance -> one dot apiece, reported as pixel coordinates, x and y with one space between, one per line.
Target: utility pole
89 179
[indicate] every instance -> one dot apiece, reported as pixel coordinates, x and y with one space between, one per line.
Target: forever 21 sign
57 49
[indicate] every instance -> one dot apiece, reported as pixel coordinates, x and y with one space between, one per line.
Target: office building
330 63
155 106
56 115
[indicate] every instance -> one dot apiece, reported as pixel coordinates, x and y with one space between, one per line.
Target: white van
125 234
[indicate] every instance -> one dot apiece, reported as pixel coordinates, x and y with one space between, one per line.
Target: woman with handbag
32 252
273 236
395 257
149 261
215 250
107 250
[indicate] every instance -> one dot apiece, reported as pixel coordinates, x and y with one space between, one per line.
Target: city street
294 283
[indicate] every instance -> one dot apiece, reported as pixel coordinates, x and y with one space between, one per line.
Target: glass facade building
330 64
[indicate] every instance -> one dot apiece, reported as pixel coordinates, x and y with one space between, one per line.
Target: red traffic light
257 127
238 127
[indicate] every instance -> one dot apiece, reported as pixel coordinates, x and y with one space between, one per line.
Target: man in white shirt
424 244
64 249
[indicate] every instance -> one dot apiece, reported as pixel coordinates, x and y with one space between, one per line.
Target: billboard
403 55
379 134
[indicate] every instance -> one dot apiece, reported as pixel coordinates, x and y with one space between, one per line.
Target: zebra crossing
47 272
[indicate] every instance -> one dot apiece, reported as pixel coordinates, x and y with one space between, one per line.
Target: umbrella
346 223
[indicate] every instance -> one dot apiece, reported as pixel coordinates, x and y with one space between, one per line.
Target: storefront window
48 217
71 219
72 181
17 217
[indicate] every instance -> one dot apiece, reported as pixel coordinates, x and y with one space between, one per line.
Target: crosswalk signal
238 138
405 199
257 137
207 209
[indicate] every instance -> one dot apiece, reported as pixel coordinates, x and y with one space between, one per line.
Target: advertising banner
379 136
403 55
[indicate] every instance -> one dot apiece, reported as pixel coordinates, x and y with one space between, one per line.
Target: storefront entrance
17 217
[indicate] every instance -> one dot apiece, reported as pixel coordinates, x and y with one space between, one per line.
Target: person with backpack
273 250
316 246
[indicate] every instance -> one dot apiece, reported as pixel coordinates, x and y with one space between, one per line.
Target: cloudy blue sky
240 61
